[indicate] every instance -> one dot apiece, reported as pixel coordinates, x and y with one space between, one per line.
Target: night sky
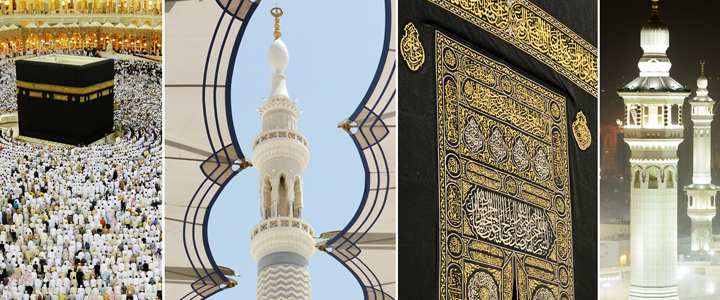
694 36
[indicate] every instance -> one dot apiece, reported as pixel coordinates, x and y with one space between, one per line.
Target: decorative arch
128 42
12 45
23 7
46 42
116 41
653 177
282 205
104 40
32 42
141 43
19 43
91 40
75 41
3 45
669 177
61 41
156 45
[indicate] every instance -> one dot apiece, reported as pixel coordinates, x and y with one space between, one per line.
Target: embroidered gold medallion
581 131
505 215
411 49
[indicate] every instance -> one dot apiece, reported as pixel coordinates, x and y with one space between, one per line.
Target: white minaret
282 243
654 129
701 193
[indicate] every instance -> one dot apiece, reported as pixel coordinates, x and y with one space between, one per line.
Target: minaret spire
655 17
653 107
277 13
654 40
281 243
701 193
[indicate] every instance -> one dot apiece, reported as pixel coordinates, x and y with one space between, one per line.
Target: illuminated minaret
654 129
281 243
701 193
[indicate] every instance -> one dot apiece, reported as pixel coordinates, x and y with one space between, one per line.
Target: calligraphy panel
505 222
529 28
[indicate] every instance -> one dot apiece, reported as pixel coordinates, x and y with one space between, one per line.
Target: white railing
286 134
280 222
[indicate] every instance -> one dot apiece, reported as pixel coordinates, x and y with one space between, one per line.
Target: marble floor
690 286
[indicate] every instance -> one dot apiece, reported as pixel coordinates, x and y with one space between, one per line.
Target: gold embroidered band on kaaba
65 89
67 97
529 28
505 219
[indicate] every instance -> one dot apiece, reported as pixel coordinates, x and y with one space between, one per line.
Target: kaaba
65 99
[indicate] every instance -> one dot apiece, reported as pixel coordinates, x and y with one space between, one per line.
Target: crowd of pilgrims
85 223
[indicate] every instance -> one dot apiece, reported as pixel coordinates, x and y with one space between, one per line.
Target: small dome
278 56
702 82
654 37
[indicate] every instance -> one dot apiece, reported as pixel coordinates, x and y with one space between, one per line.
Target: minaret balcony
280 134
282 234
702 212
281 223
668 132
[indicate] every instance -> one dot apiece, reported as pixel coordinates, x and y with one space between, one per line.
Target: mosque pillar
290 192
274 195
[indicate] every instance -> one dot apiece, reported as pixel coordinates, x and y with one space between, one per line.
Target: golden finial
702 68
654 12
277 13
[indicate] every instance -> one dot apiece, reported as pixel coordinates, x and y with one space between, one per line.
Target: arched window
653 179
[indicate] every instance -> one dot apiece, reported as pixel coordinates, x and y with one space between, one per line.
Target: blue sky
334 49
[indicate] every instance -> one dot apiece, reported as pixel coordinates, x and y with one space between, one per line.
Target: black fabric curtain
418 208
